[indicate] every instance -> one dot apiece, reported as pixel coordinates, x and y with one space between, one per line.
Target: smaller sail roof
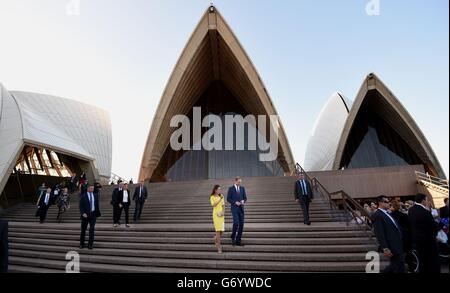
324 139
390 109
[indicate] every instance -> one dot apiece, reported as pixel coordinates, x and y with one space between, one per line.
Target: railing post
345 208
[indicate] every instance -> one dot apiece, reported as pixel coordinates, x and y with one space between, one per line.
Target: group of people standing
399 233
121 201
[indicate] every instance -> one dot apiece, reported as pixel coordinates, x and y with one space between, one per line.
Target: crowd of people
410 232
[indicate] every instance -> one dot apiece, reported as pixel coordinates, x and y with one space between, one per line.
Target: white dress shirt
47 197
422 206
390 217
92 201
125 196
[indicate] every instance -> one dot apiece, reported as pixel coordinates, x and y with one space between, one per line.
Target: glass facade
374 143
217 163
40 161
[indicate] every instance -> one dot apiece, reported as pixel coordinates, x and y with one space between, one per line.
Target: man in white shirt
124 200
115 204
389 236
45 201
89 211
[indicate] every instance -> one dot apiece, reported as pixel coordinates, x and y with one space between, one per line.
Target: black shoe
81 246
309 223
90 247
239 244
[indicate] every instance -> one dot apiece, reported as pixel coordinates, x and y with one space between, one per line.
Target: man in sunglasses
389 236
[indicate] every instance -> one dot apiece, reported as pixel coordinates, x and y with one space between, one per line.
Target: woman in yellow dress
218 202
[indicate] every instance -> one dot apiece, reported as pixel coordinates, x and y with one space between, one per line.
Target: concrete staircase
175 234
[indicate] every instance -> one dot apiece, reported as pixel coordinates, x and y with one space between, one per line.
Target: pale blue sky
119 54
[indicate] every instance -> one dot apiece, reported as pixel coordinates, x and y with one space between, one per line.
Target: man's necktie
303 187
91 202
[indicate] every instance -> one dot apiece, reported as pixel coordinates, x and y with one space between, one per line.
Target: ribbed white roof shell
323 142
64 125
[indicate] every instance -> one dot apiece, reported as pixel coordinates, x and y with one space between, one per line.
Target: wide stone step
46 264
179 221
192 207
189 240
207 264
152 208
186 227
14 269
18 250
176 203
73 245
174 215
176 234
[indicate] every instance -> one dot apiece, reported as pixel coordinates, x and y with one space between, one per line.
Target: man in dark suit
124 200
303 194
237 198
443 212
45 201
90 211
389 236
115 204
3 246
139 198
424 230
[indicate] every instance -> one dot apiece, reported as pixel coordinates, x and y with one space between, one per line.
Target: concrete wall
371 182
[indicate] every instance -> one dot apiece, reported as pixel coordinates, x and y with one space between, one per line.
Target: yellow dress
219 222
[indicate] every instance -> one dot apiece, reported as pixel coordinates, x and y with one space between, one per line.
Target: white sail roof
64 125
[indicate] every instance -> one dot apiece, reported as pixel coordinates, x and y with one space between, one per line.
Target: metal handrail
324 191
115 177
351 206
434 181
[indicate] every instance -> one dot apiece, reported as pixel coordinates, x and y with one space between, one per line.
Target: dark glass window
201 164
374 143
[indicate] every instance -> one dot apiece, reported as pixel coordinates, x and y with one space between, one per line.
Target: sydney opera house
215 73
363 147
